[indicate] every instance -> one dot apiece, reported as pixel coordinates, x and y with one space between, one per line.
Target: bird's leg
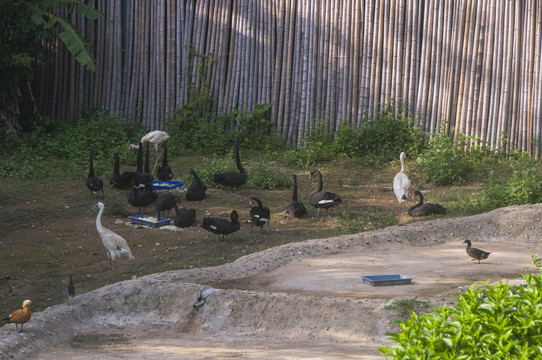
156 162
114 273
109 271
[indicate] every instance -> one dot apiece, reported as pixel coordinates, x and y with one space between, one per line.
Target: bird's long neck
294 193
196 178
91 169
402 164
147 168
320 183
139 159
421 199
116 167
164 159
259 202
238 160
99 226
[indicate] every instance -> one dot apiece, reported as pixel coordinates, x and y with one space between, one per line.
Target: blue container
158 185
386 280
140 219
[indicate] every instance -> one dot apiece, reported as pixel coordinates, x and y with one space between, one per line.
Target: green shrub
494 322
264 176
443 162
391 131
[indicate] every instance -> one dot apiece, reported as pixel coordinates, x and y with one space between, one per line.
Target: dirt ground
293 291
304 300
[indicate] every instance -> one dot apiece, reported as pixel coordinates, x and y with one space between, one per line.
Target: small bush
444 163
264 176
494 322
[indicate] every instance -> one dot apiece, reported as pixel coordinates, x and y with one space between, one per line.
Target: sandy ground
299 301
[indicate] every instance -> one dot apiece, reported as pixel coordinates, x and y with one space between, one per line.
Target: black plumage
296 207
259 214
233 179
118 180
166 202
184 217
141 197
196 190
421 209
71 289
474 253
142 178
94 183
321 199
222 226
164 173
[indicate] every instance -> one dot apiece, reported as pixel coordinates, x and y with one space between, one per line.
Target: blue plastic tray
140 219
386 280
158 185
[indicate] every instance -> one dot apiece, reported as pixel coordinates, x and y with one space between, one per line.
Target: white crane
401 183
114 244
155 138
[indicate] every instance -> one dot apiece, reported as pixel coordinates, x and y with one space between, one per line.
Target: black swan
166 201
196 190
164 173
142 178
233 179
259 214
118 180
320 198
94 184
222 226
296 207
141 197
421 209
401 183
184 217
474 253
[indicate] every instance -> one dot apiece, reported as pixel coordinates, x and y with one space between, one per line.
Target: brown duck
474 253
20 316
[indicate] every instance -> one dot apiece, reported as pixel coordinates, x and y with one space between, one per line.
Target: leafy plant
494 322
445 163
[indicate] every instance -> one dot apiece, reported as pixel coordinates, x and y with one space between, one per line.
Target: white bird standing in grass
401 184
155 138
114 244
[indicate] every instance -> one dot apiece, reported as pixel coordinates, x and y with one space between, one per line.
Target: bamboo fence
470 67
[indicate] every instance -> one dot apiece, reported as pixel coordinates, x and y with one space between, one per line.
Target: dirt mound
302 300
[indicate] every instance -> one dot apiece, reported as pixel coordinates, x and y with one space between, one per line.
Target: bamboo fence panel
465 67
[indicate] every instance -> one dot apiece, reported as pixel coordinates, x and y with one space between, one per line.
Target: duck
118 180
296 207
259 214
164 173
166 201
94 183
401 183
222 226
474 253
184 217
141 197
20 316
196 190
320 198
421 209
233 179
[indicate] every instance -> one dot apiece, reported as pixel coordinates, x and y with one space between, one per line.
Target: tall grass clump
494 322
